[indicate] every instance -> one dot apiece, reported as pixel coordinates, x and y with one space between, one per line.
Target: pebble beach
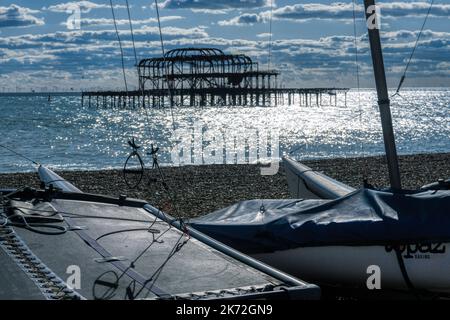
198 190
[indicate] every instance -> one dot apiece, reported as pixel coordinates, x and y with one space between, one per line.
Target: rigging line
402 79
154 277
120 46
169 91
19 154
132 33
364 173
132 295
418 108
165 63
123 66
270 36
124 231
154 239
137 65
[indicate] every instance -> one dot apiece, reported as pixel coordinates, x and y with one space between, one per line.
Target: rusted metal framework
203 74
207 77
202 68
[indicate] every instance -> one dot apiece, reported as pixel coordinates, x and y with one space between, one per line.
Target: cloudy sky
313 41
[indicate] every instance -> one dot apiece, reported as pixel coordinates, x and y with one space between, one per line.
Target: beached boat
336 242
305 183
61 243
339 236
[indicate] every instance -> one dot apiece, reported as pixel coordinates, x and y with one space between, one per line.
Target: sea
60 132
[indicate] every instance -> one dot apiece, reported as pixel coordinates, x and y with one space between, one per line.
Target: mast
382 92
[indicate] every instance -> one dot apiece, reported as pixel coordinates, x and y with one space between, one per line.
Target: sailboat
61 243
335 235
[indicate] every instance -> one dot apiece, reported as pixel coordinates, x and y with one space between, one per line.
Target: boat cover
364 217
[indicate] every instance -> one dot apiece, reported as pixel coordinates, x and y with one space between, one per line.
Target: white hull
305 183
348 266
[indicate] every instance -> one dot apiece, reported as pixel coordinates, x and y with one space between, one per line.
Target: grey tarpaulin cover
363 217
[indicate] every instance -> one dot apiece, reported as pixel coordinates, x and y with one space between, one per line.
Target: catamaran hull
357 266
305 183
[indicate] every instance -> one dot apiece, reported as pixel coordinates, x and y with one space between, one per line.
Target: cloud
16 16
244 19
67 39
83 6
214 6
303 62
414 9
108 22
342 11
264 35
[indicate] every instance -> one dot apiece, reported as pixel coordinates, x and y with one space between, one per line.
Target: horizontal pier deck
202 97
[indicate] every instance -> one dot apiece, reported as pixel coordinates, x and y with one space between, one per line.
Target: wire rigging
121 125
165 64
402 79
132 33
270 37
358 84
120 46
137 66
19 154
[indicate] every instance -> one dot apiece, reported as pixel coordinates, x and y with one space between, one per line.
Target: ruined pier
200 77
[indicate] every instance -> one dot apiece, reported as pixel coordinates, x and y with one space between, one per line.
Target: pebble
198 190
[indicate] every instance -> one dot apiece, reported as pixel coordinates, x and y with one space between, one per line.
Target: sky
45 47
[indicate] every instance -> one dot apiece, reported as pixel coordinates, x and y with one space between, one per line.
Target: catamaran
61 243
336 235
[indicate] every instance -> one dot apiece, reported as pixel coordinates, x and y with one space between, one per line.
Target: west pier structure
208 77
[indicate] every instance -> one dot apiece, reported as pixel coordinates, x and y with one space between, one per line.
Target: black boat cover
364 217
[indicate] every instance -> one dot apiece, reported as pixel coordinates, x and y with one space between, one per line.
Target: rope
177 247
364 172
120 46
417 108
137 66
404 272
134 152
121 125
402 79
270 36
172 196
165 64
19 154
20 220
132 33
